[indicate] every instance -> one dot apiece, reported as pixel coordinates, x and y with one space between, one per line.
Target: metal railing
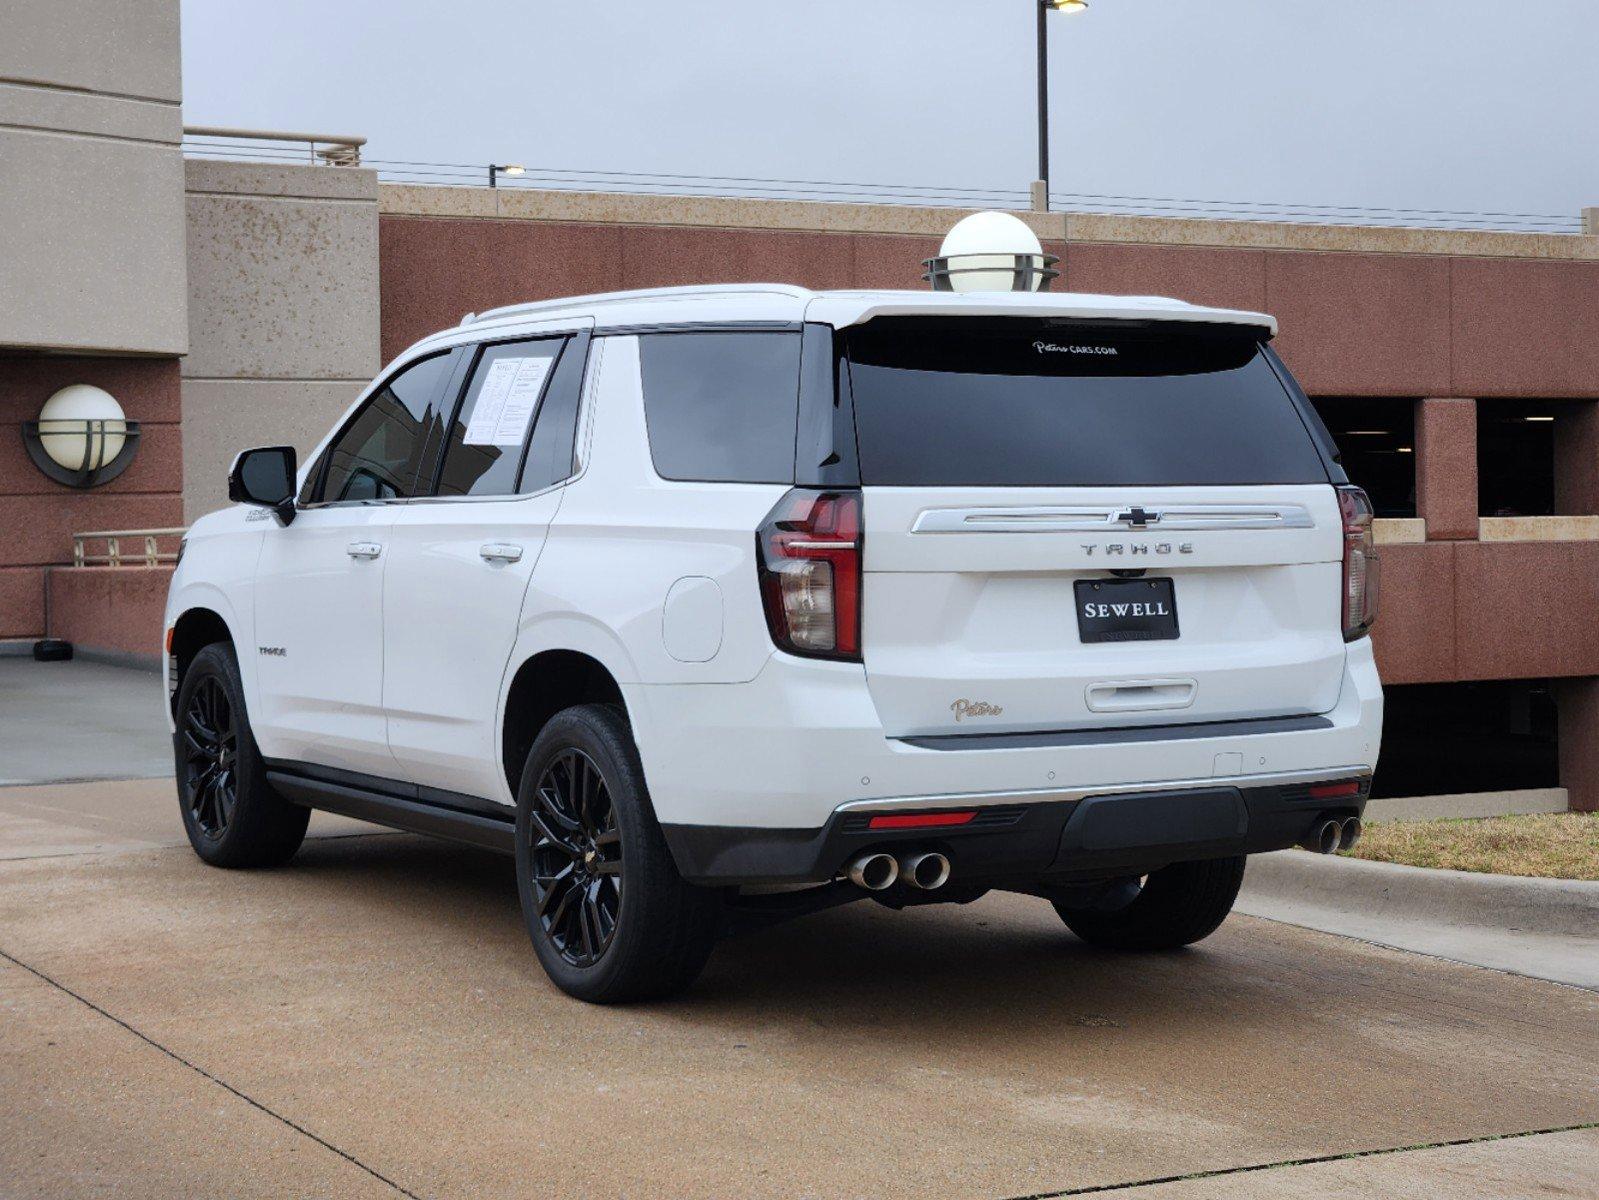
149 555
338 151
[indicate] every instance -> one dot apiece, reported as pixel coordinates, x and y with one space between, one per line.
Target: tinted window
722 406
549 455
1071 404
491 428
380 452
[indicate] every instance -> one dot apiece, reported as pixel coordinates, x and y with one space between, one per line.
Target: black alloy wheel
210 748
576 857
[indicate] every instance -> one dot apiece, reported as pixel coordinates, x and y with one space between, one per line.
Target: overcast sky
1427 104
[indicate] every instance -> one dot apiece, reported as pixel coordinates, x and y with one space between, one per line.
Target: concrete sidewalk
1545 928
370 1020
80 720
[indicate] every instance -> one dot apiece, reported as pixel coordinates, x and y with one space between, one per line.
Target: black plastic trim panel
396 804
1115 737
1050 842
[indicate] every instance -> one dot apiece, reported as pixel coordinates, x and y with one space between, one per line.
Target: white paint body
398 665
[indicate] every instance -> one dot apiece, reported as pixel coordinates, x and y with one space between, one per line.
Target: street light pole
1044 7
1041 189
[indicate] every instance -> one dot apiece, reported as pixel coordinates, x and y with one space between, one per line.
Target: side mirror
265 476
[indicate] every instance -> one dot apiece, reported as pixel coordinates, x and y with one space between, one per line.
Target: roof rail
532 307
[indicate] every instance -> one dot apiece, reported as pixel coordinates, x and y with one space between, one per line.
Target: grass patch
1545 845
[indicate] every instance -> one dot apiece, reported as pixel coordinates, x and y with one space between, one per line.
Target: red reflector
1324 791
919 820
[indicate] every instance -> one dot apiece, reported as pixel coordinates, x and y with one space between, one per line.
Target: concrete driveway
371 1021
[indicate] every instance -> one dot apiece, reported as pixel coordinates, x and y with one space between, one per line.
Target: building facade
228 304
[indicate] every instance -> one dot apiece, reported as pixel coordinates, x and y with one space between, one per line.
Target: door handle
364 549
500 552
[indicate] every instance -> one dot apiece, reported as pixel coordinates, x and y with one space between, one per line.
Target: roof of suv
778 303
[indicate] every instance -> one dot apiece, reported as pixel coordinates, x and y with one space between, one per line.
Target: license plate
1126 610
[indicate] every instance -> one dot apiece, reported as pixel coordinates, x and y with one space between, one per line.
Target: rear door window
491 428
722 406
964 402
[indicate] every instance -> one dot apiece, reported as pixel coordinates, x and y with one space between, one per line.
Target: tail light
809 555
1360 563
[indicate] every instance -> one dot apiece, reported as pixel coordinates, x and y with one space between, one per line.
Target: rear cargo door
1077 525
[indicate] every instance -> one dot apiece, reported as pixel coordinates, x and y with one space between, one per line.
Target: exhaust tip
1324 836
1350 833
874 872
927 871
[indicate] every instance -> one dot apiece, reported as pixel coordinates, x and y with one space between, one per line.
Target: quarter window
484 453
380 453
721 407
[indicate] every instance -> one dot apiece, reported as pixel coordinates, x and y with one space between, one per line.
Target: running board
414 816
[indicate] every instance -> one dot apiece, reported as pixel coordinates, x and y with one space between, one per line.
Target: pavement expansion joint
1252 1168
203 1073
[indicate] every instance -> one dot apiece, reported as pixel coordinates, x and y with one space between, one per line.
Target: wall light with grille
81 439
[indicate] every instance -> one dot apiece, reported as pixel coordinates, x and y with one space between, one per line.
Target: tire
609 916
230 812
1178 905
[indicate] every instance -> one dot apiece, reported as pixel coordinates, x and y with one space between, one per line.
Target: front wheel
1177 906
230 812
610 918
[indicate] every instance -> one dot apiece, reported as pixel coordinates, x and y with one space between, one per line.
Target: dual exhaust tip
1333 834
878 871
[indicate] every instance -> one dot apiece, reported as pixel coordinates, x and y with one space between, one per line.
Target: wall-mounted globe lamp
81 439
991 252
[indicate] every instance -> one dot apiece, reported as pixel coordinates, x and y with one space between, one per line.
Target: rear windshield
1013 403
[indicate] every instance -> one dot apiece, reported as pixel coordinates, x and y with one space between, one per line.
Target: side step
397 812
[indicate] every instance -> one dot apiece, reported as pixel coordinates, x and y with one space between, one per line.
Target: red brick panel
1524 610
21 602
1415 634
147 388
1362 324
432 271
37 530
1525 328
1199 274
1446 467
1577 704
889 260
157 465
1577 460
664 256
110 608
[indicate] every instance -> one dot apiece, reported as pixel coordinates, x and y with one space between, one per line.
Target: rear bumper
1044 838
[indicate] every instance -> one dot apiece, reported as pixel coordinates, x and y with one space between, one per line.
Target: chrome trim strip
1101 518
1049 795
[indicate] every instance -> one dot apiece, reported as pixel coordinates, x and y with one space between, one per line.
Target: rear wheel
610 918
230 812
1177 906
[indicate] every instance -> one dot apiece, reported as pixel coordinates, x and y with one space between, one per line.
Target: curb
1378 890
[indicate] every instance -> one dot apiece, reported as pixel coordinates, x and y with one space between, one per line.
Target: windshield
963 402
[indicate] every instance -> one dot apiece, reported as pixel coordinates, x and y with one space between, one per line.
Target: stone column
1577 461
1446 468
1577 702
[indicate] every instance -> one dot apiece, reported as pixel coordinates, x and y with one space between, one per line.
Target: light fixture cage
94 433
1029 272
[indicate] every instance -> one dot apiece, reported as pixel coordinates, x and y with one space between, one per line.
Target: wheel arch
194 630
541 686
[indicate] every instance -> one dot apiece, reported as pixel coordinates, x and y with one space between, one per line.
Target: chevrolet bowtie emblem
1138 518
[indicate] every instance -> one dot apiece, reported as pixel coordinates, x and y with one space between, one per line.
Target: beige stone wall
91 209
283 310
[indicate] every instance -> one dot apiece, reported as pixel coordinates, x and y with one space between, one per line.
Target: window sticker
506 402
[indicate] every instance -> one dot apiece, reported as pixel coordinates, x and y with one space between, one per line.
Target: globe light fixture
82 438
990 252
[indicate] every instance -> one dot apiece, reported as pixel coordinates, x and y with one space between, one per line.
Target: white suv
680 594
